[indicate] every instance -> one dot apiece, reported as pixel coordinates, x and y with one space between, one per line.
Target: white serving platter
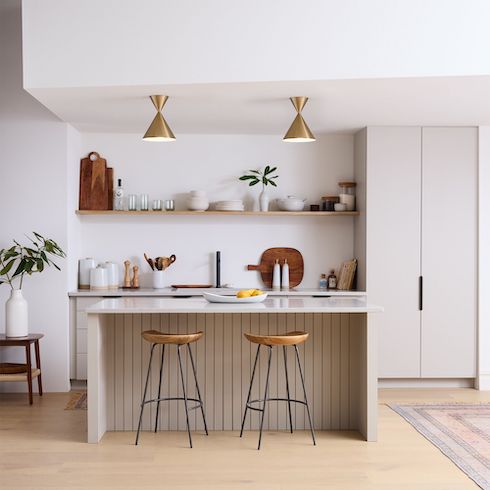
219 298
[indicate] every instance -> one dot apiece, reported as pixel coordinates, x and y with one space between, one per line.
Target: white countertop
150 292
200 305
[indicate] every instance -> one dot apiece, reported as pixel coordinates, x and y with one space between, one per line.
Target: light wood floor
43 447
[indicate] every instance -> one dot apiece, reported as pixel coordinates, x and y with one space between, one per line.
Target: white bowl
291 204
219 298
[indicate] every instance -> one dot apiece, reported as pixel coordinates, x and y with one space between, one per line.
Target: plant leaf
266 171
7 268
247 177
20 268
255 172
253 183
272 183
273 169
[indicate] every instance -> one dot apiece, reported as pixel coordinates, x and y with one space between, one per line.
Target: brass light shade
299 132
159 130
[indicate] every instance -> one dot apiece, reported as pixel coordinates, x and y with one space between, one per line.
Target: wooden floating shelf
221 213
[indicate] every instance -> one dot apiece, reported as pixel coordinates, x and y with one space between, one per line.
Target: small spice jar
328 202
347 195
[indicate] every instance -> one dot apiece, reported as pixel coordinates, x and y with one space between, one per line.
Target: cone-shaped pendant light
299 132
159 130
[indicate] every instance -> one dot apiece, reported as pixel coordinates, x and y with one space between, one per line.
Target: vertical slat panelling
217 360
317 362
264 330
330 358
354 370
246 349
335 374
191 385
181 418
239 372
110 373
300 409
200 359
145 358
273 407
228 370
174 407
128 372
209 360
292 363
344 371
136 371
327 371
119 372
282 421
308 365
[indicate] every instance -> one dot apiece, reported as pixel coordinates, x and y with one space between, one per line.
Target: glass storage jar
347 195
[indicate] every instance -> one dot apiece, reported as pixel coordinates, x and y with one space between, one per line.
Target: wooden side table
29 371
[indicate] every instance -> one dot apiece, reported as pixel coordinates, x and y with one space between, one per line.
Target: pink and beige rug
78 401
460 431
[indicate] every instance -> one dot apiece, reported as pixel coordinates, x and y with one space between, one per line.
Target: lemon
244 293
257 292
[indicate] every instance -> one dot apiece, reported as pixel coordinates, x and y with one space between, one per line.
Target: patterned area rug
78 401
461 431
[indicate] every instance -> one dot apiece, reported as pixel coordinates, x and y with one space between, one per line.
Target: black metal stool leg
185 395
144 394
250 389
197 388
159 388
265 394
306 399
287 388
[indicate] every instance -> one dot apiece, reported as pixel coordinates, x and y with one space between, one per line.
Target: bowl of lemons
242 296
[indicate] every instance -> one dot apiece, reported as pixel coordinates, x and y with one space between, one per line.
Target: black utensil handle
421 293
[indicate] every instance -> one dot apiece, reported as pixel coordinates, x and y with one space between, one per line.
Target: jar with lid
328 202
347 195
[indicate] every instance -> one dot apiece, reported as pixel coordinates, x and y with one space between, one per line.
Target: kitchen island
339 359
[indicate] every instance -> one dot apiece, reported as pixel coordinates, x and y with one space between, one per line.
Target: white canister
84 266
16 315
158 279
349 200
198 201
98 278
112 274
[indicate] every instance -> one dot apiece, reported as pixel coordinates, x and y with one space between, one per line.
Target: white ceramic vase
264 201
158 279
16 315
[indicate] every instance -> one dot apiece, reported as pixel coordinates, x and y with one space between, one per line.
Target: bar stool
159 338
290 338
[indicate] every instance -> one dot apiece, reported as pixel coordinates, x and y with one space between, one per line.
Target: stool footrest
249 404
178 398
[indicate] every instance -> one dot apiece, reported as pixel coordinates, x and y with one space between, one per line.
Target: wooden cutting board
268 259
95 183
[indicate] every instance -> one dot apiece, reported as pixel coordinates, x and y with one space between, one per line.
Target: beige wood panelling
224 360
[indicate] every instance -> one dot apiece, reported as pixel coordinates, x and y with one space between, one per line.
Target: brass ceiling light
299 132
159 130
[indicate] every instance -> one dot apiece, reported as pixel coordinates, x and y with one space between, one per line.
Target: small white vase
264 201
16 316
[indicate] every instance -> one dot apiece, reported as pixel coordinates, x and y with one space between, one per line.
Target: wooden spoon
150 262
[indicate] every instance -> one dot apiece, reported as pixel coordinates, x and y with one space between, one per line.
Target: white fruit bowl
219 298
291 204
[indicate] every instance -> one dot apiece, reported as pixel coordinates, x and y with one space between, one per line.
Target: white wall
213 163
484 259
145 42
33 196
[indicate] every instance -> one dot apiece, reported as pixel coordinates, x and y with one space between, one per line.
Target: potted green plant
266 178
15 263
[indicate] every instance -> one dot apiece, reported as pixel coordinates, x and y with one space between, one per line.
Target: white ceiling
264 108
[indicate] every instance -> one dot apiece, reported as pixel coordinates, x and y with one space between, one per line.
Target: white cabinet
449 241
421 221
393 245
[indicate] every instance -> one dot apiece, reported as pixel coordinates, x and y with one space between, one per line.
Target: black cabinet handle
421 293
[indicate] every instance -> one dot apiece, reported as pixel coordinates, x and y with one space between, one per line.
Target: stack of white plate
233 205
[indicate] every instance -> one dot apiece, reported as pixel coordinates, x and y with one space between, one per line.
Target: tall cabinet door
393 176
449 233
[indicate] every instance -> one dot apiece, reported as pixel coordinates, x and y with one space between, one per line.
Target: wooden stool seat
289 338
156 337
